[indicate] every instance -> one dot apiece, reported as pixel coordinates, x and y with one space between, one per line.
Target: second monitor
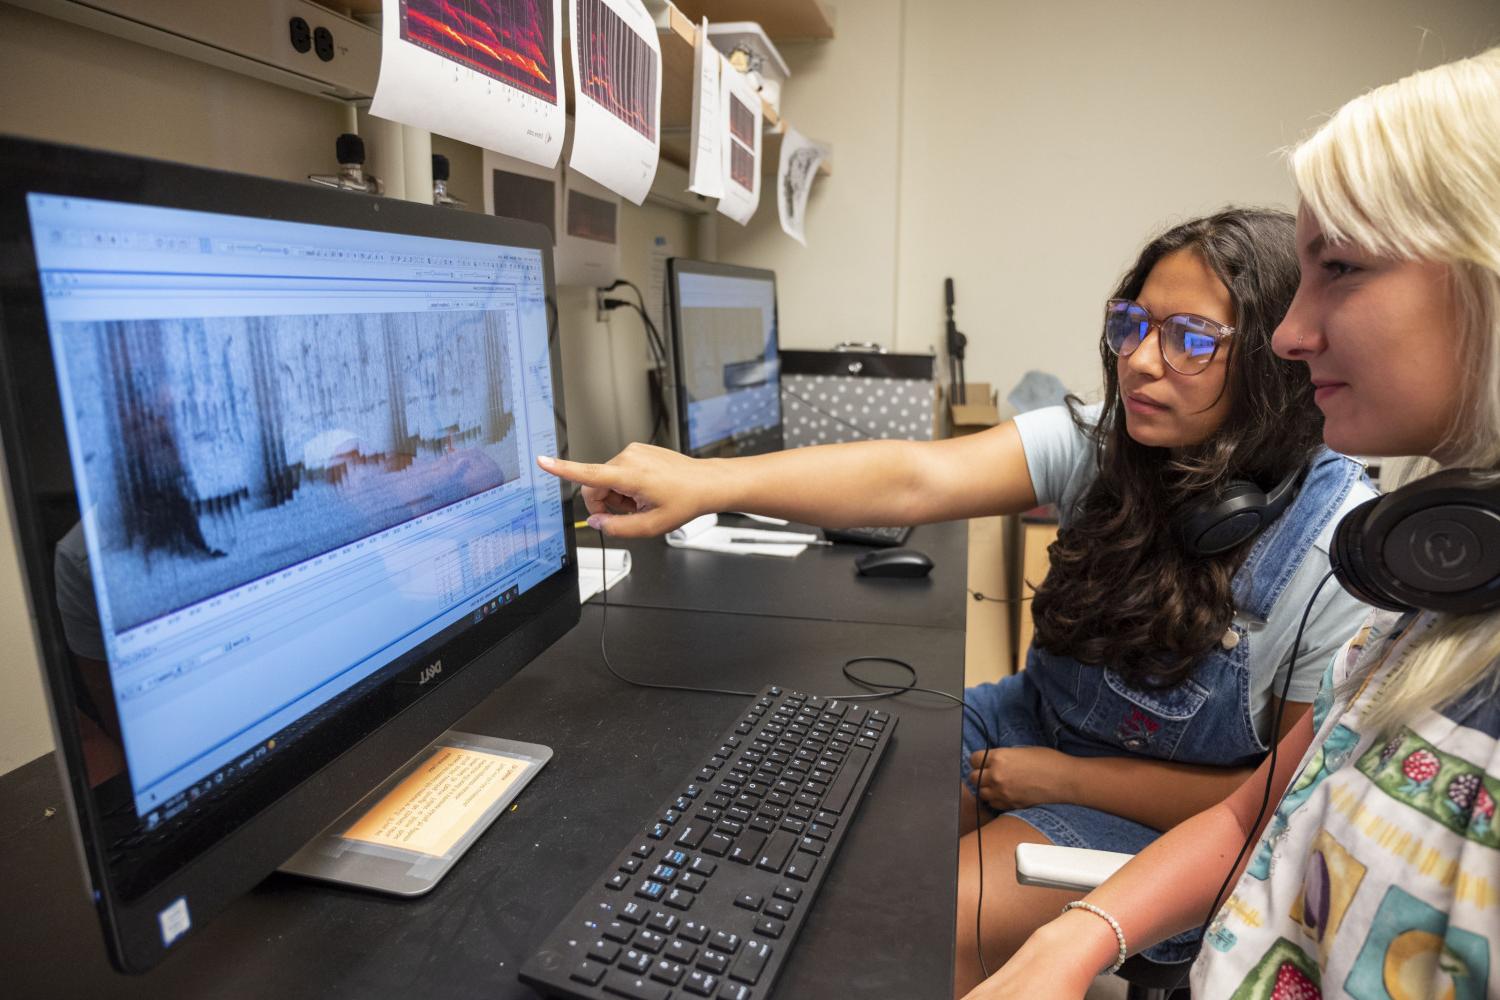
726 361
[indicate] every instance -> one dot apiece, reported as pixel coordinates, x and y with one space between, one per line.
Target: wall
848 93
1036 146
133 99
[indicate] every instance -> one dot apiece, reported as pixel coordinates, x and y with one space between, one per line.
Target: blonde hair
1411 171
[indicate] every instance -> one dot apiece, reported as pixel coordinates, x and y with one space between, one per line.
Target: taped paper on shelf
705 161
740 113
795 173
489 75
616 61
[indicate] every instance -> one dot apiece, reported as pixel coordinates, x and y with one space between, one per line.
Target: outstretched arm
646 490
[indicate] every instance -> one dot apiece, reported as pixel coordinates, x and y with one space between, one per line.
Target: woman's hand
1017 777
1056 963
642 491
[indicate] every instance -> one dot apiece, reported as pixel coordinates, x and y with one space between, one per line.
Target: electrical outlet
601 314
323 44
301 35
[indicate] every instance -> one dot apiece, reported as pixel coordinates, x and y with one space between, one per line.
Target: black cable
1265 798
831 416
998 600
658 357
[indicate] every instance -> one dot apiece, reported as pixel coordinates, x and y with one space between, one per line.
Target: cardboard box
978 411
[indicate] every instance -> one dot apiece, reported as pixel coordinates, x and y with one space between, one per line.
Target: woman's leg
1011 911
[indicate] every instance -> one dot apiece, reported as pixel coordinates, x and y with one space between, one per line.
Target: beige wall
848 93
1038 144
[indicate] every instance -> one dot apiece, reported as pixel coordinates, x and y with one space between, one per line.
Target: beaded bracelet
1114 924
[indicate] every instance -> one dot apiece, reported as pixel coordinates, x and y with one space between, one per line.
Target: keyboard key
681 951
714 961
692 835
775 853
701 984
691 882
837 798
801 867
769 928
650 942
781 911
734 991
748 847
651 890
679 899
588 973
618 881
604 951
633 912
678 858
751 962
726 942
694 931
634 988
749 900
630 865
717 844
703 867
790 893
636 961
668 972
615 930
661 921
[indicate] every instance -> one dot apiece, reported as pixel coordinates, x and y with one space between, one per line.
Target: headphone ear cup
1235 516
1348 555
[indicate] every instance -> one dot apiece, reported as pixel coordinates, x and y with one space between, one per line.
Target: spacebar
838 792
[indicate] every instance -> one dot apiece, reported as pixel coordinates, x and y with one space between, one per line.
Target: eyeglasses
1188 342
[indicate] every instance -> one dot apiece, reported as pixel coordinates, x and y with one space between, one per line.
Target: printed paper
740 112
616 61
795 173
486 72
705 161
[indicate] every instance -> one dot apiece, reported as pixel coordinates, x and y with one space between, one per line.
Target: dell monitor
725 359
270 455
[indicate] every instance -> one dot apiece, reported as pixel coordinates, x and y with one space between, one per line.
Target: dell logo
429 673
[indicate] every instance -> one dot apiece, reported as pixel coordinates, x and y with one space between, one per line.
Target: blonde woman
1378 875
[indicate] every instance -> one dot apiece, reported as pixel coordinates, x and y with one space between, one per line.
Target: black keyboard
708 900
884 537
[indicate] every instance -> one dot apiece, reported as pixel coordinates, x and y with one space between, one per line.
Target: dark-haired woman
1147 693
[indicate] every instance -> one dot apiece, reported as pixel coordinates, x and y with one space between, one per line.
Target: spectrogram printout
487 72
616 62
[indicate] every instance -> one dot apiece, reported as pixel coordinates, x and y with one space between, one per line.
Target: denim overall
1089 711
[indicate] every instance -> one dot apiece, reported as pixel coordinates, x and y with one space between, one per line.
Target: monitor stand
405 835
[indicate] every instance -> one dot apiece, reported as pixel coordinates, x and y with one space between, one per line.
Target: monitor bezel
677 267
290 810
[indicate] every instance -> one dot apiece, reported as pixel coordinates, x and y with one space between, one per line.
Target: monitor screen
279 462
724 344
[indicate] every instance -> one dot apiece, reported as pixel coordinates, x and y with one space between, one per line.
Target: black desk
819 583
882 926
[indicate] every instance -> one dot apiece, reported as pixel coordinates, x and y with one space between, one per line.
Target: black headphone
1433 544
1237 513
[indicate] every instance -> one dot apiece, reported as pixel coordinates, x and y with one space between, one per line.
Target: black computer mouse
893 563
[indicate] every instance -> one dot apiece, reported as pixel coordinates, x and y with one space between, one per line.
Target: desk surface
819 583
880 928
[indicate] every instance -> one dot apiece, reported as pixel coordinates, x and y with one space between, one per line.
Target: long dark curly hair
1122 592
